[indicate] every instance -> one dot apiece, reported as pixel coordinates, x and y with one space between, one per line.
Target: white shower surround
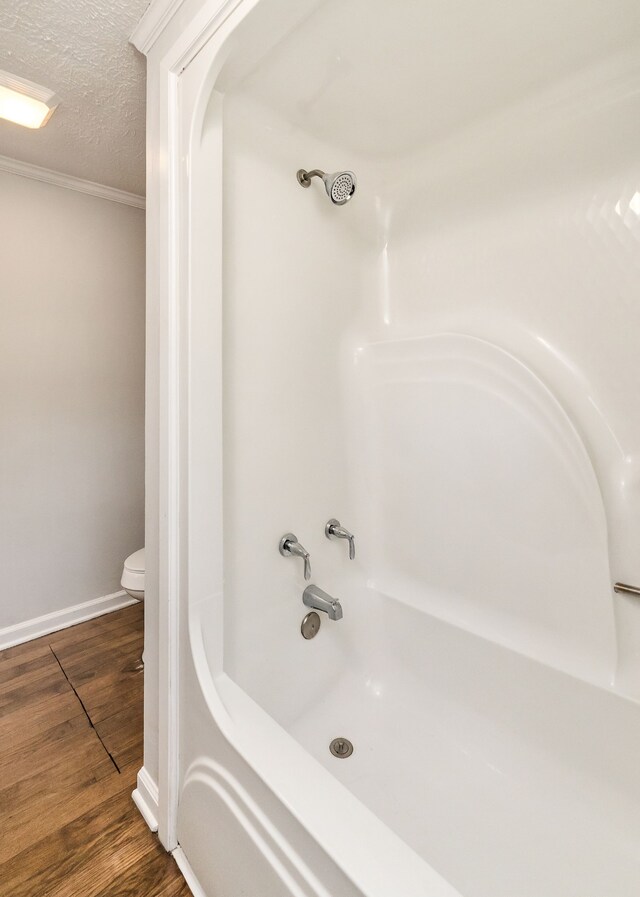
447 365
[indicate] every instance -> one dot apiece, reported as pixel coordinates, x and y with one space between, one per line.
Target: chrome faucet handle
335 531
289 546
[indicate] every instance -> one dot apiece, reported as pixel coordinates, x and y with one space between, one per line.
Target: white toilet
133 575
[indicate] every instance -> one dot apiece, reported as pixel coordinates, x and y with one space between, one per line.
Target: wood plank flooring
70 749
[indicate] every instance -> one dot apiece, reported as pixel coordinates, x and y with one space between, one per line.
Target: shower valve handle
335 531
289 546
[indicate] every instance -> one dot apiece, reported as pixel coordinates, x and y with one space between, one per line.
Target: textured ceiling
79 49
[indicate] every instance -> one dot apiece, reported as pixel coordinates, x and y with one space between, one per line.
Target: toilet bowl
133 575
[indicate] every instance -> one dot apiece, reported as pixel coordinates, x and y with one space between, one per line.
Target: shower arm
304 177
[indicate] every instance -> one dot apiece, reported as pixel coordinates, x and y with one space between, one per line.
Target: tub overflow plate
310 625
341 747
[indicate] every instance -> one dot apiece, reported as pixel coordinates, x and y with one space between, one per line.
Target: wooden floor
70 749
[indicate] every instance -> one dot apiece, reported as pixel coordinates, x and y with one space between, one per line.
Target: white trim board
187 872
36 173
145 797
153 22
61 619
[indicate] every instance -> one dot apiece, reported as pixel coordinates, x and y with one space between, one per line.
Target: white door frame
171 34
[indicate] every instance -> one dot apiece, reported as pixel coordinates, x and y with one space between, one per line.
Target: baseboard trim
187 872
61 619
145 797
37 173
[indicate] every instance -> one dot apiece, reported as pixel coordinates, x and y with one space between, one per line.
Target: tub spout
316 599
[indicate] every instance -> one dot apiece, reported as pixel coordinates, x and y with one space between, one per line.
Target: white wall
515 220
72 396
285 362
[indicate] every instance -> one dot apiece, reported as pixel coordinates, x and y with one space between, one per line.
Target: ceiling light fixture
24 102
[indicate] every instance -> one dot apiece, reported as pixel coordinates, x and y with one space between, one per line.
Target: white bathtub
487 765
447 364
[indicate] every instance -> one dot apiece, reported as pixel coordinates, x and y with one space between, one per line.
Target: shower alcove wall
448 365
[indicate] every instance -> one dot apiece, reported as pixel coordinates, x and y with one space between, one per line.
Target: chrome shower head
340 186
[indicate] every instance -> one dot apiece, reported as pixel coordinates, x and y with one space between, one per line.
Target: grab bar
626 590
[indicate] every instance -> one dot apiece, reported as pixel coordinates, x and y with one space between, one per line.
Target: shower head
340 186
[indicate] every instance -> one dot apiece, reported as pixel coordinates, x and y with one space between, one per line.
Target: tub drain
341 747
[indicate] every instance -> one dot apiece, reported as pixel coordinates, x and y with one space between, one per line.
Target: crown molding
36 173
156 18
